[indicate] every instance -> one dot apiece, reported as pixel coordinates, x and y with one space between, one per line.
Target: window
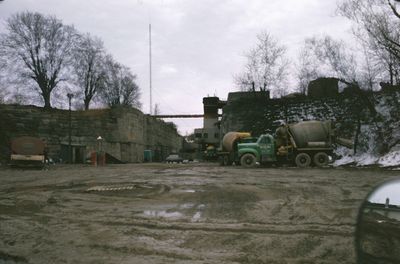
265 140
205 135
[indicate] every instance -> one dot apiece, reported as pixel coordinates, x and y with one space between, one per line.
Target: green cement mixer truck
304 143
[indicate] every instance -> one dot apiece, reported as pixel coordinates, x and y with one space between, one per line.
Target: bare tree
37 48
129 89
2 95
266 67
119 86
307 68
380 58
377 25
89 67
323 57
370 70
386 61
3 90
157 110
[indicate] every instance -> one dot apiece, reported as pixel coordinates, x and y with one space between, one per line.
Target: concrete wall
127 132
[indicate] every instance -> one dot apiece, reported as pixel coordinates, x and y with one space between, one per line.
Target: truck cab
262 151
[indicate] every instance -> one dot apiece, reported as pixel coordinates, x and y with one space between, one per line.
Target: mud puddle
189 204
187 211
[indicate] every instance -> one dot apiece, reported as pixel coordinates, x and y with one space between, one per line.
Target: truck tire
321 159
248 160
303 160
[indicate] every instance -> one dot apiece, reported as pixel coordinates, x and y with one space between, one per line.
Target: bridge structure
209 135
181 116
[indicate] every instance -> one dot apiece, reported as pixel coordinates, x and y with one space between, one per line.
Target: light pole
100 155
100 143
69 95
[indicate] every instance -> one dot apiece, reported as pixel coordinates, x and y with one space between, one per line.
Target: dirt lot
193 213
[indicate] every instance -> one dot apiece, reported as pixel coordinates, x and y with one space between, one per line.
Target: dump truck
28 151
305 143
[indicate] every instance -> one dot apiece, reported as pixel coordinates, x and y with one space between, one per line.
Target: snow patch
391 159
365 159
346 156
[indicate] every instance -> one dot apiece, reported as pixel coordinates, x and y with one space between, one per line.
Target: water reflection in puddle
188 191
162 213
190 211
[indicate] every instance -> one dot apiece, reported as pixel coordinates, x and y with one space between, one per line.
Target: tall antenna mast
151 95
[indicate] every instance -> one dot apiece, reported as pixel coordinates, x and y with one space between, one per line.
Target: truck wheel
248 160
303 160
321 159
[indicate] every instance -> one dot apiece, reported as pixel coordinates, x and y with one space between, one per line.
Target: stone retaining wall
258 115
127 132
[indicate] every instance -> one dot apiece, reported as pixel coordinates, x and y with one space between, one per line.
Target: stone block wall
258 115
127 132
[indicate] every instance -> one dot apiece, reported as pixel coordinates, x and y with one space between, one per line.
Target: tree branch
394 10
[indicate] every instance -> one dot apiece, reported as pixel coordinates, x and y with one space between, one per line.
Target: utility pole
151 95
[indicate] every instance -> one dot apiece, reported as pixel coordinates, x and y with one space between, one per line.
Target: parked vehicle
174 158
210 154
28 151
304 143
228 153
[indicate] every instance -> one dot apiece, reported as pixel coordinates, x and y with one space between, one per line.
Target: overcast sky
198 45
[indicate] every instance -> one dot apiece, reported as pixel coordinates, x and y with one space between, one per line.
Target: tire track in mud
142 251
251 230
274 228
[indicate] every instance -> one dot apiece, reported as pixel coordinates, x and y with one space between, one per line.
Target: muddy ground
173 213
